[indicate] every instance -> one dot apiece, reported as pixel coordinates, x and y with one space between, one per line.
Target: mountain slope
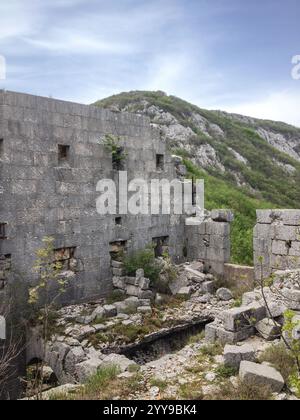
251 163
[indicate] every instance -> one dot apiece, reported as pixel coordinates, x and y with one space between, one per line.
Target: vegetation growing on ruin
145 260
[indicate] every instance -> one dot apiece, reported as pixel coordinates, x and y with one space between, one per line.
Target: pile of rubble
262 311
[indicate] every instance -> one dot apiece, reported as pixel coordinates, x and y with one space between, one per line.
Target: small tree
287 334
50 286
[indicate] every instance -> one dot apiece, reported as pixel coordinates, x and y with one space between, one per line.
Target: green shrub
145 260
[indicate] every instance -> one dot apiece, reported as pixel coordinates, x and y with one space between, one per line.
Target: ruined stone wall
42 194
209 240
276 241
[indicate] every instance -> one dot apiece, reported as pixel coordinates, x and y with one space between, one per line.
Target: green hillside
242 170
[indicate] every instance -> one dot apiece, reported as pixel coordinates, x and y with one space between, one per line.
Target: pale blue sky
220 54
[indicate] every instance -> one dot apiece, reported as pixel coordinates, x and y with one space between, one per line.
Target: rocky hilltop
247 163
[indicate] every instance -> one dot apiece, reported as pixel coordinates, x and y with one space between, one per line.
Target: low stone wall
276 241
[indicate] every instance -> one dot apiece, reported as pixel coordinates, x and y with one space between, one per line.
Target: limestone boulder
224 294
268 329
261 375
234 355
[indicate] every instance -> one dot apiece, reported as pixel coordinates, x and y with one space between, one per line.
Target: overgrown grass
212 350
243 392
224 371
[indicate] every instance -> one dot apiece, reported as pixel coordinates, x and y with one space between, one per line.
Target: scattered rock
87 368
210 376
224 294
234 355
268 330
119 360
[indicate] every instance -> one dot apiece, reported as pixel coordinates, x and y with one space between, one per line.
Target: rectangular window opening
118 221
118 159
65 257
3 231
161 246
63 152
1 148
160 162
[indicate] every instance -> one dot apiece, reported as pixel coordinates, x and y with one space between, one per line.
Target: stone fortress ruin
52 155
51 158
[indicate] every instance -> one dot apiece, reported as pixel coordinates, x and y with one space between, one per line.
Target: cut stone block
208 287
251 297
268 330
117 264
236 319
214 332
292 298
144 309
185 291
119 283
140 273
234 355
222 216
86 369
118 272
261 375
110 311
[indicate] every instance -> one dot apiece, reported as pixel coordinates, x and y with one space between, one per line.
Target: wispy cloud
280 106
203 51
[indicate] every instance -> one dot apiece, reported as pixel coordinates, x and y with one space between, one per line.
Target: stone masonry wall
41 195
276 241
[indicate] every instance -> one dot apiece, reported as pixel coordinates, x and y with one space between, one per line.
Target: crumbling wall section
276 241
208 240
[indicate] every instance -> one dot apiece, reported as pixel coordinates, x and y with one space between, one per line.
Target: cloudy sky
219 54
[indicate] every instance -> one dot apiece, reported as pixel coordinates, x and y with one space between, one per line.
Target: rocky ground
230 360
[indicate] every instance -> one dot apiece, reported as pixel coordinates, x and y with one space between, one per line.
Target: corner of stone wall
208 240
276 241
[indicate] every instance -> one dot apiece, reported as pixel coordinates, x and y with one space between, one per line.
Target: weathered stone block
119 283
236 319
222 216
208 287
261 375
110 311
279 248
292 298
224 294
214 332
268 330
234 355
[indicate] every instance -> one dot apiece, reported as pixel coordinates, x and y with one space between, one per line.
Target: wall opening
118 221
63 152
65 256
1 148
117 250
118 159
5 269
160 162
161 246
